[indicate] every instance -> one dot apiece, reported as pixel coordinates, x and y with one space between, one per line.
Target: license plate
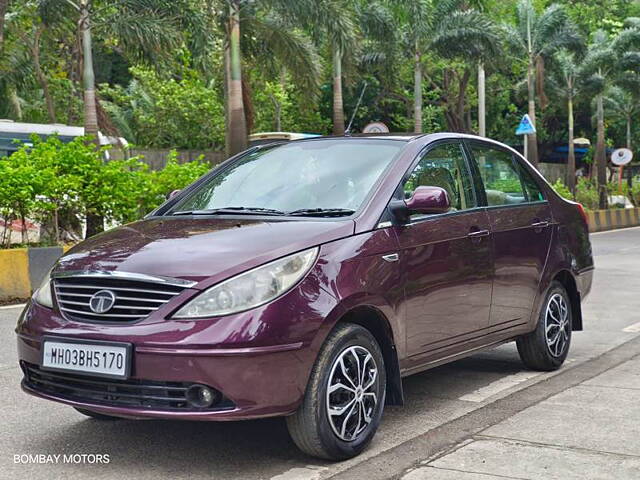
103 359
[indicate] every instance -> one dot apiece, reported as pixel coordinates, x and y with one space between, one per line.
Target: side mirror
173 194
424 200
429 200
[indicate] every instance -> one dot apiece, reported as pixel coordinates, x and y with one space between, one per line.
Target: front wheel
345 396
547 347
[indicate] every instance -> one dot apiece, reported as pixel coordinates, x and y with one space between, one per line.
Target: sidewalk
589 431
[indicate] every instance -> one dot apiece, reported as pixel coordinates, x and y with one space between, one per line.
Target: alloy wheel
557 326
351 392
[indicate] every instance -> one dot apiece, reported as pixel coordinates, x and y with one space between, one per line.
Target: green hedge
59 183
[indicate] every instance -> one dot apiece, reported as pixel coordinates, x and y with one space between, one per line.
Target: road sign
526 126
621 156
376 127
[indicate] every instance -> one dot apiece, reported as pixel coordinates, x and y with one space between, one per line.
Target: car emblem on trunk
102 301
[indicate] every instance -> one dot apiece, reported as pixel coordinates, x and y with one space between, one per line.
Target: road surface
444 407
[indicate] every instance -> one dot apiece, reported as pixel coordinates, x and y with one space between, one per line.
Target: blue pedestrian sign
525 127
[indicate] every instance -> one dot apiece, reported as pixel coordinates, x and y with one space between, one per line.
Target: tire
96 415
538 350
341 436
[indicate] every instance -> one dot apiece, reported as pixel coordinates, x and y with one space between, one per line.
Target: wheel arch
567 280
377 323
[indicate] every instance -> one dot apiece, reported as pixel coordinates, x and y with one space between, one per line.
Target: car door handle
392 257
539 225
478 233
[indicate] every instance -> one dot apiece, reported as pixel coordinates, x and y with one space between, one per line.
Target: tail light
583 213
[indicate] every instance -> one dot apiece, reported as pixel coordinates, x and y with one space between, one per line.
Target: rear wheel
547 347
96 415
345 396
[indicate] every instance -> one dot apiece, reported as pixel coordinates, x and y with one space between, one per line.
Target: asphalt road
263 450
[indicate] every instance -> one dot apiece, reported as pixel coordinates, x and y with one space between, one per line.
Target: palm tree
537 36
455 29
565 84
608 60
471 36
142 32
623 107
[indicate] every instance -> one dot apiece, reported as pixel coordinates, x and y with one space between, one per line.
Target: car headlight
250 289
43 294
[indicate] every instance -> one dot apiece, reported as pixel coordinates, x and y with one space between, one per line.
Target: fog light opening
201 396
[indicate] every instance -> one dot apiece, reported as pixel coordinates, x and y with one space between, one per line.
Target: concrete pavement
456 415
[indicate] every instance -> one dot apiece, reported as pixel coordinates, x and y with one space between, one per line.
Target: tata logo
102 301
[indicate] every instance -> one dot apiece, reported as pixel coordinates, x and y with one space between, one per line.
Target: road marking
613 230
6 307
310 472
481 394
635 328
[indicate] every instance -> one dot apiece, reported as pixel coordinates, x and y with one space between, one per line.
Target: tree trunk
600 158
14 101
227 91
95 223
532 140
338 108
417 93
4 5
237 122
571 160
482 109
42 78
88 76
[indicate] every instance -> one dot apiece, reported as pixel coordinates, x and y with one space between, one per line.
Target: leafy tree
623 107
167 113
534 38
600 70
565 83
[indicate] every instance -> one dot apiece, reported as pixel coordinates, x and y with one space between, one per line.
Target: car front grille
131 393
134 299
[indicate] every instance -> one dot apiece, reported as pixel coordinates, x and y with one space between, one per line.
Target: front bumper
259 361
256 383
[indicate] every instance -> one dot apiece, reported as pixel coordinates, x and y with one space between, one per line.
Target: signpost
525 128
620 158
375 127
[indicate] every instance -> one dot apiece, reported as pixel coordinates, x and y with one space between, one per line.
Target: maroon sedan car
305 280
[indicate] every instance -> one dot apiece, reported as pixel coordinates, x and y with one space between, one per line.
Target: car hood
205 250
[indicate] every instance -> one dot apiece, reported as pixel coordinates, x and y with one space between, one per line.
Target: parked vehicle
15 134
305 280
265 138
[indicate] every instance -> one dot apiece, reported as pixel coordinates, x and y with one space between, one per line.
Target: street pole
482 123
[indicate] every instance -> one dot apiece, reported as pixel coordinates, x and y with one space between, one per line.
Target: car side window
506 182
444 166
531 188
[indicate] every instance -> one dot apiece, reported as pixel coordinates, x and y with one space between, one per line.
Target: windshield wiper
231 211
322 212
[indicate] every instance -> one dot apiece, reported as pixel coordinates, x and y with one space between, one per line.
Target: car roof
409 137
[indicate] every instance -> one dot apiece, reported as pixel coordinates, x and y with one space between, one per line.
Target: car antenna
353 115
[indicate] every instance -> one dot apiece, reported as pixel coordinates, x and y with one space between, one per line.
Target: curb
22 270
601 220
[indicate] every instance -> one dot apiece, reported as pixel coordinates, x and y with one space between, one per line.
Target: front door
446 258
520 220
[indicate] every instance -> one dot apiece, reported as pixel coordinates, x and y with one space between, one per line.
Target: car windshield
316 177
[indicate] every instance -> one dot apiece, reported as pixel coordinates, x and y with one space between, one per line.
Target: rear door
445 259
520 222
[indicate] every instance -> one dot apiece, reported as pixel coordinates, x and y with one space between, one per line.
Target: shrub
587 193
635 190
562 190
59 183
